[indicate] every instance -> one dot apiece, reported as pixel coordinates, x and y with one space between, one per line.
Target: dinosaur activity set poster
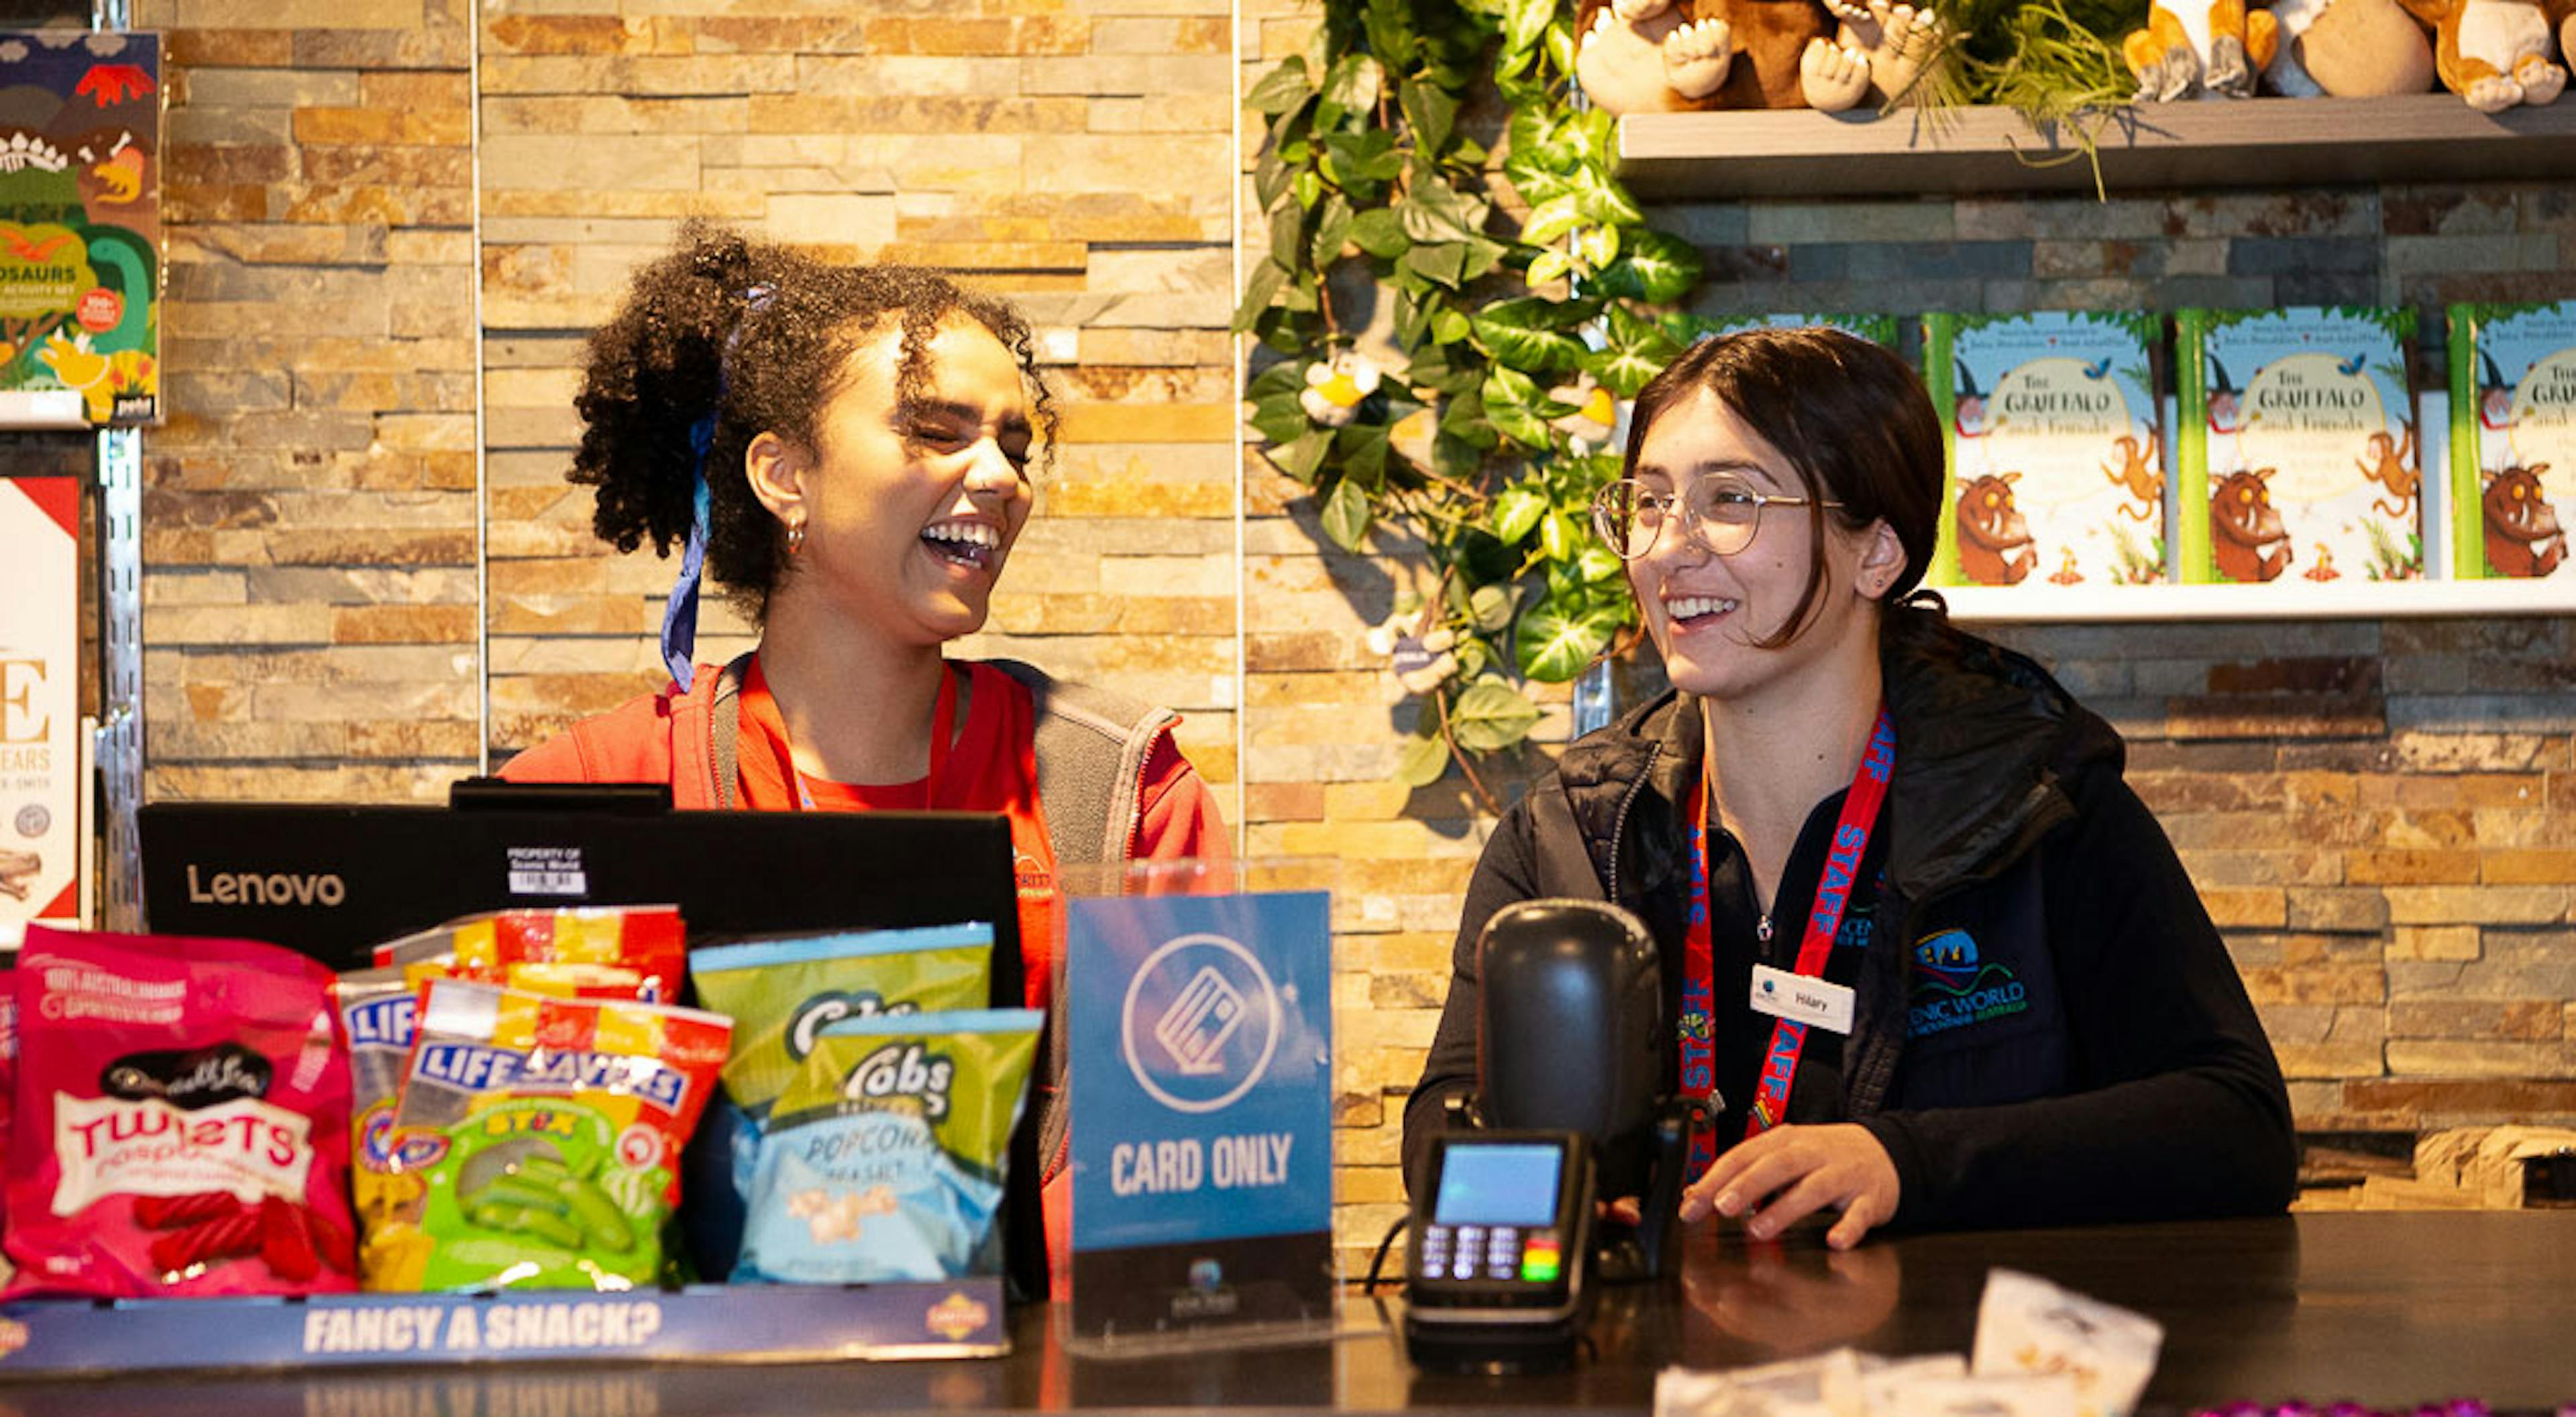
2055 448
2295 446
2513 431
80 228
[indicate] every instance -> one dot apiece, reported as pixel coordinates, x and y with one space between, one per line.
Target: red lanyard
943 722
1698 1033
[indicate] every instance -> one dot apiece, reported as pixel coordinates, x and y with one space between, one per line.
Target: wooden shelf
2263 142
2360 599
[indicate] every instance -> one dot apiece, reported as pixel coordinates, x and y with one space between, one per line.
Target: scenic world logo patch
1954 988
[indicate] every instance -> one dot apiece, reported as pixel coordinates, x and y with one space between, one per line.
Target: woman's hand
1784 1175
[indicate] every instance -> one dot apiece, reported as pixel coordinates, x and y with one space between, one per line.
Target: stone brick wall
310 514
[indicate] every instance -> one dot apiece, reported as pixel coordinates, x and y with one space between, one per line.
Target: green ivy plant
1523 281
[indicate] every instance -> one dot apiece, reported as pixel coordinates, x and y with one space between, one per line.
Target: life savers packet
180 1120
548 1132
886 1158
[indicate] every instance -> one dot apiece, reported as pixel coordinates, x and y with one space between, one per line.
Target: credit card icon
1195 1028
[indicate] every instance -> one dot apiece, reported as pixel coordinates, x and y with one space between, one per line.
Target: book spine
2468 544
2192 562
1940 341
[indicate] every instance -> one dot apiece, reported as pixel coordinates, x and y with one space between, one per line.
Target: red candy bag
181 1120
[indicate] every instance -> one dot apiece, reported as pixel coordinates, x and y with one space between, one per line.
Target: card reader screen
1498 1183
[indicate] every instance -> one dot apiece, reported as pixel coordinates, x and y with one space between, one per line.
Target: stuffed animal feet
2162 57
1878 48
1643 56
1696 57
2542 82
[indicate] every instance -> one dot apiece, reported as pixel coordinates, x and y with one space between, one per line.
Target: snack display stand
961 1318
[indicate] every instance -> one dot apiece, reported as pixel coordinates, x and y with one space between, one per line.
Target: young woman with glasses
2016 1010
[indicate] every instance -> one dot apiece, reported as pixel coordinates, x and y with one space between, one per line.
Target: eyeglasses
1721 512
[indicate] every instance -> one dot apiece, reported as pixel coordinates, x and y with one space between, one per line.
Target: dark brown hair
1854 423
760 337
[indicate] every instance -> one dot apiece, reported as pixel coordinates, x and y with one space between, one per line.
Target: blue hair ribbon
680 613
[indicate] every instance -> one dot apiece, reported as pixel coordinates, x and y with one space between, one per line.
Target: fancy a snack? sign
1201 1071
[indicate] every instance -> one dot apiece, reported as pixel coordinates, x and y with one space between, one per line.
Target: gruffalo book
2513 437
2055 444
2295 453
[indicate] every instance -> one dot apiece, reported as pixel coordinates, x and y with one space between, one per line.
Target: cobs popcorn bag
886 1158
180 1120
781 992
548 1133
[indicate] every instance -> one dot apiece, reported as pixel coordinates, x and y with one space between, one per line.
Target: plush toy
1877 53
2348 49
2496 53
1666 56
2191 48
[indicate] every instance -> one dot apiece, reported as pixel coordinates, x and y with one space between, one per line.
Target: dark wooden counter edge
2265 142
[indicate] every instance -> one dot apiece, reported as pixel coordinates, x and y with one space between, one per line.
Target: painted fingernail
1759 1228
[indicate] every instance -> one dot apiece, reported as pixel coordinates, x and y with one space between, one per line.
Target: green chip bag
782 992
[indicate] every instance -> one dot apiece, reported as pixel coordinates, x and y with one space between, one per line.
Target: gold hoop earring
795 536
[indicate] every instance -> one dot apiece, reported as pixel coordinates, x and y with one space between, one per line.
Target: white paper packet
1827 1385
2026 1325
2000 1395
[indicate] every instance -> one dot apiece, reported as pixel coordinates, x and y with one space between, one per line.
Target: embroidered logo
1953 988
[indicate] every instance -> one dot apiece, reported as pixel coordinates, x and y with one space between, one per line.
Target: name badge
1802 999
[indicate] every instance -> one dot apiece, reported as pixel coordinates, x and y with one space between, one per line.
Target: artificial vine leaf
1281 90
1258 291
1443 263
1287 236
1300 457
1279 378
1490 607
1363 450
1517 508
1657 269
1279 418
1597 565
1390 31
1421 762
1434 211
1555 643
1517 410
1332 227
1558 536
1431 111
1547 267
1269 179
1491 715
1380 232
1634 351
1549 220
1362 163
1351 88
1346 515
1528 335
1308 185
1604 201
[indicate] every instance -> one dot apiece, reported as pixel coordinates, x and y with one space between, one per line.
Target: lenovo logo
272 888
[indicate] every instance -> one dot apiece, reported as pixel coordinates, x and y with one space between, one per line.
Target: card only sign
1200 1036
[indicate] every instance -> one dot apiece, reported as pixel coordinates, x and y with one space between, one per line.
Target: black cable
1378 1262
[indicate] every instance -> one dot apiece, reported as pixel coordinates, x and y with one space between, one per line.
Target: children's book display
2307 467
2513 420
2055 442
2296 446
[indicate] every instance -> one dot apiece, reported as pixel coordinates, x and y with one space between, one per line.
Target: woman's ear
777 469
1882 560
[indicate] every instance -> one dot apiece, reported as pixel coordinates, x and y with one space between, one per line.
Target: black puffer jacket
2119 1074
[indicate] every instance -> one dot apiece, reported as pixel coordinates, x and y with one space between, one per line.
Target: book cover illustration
80 228
2513 437
1691 329
2296 447
2055 448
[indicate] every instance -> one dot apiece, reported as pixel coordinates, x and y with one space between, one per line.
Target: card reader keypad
1494 1253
